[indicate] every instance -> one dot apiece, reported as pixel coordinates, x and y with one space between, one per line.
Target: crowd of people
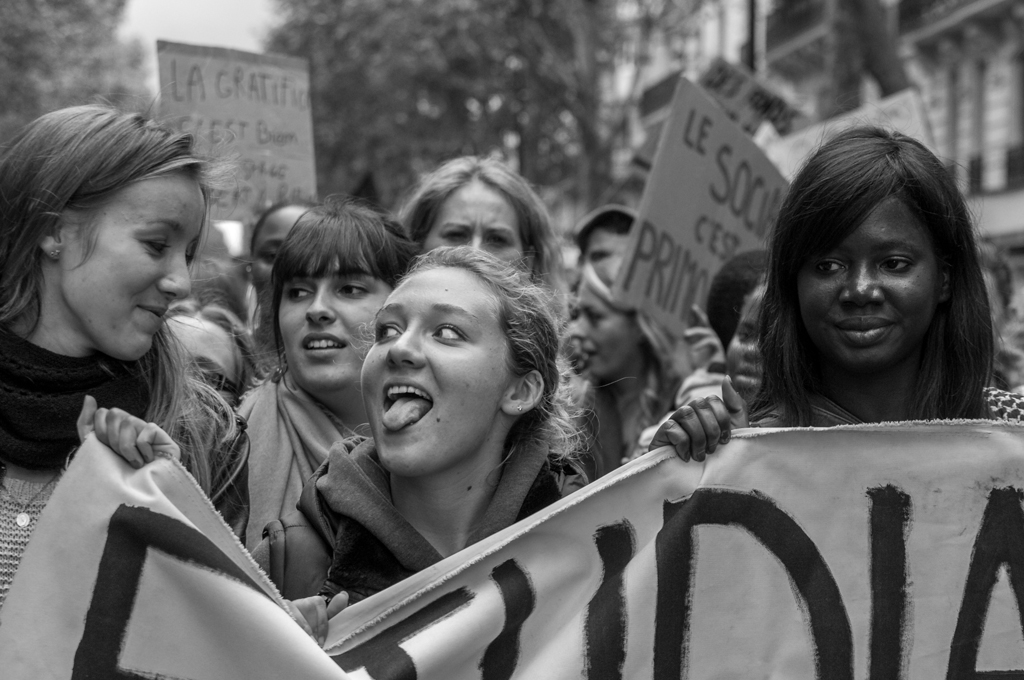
383 390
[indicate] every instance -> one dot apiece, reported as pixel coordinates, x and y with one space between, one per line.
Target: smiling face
436 382
324 325
868 303
111 296
478 216
268 241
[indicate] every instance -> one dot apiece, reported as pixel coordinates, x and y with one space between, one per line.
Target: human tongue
405 411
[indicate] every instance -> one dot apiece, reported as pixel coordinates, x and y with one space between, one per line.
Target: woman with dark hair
467 400
480 202
101 214
331 275
268 233
875 307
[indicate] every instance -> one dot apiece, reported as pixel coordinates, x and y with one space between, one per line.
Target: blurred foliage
401 85
56 53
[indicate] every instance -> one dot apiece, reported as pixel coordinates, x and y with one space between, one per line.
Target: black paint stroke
131 533
890 522
831 636
383 657
1000 541
604 635
502 655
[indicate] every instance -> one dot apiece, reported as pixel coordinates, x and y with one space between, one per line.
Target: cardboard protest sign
132 574
711 194
253 107
903 112
868 551
738 91
746 100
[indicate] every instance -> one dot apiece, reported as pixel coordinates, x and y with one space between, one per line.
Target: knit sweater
18 497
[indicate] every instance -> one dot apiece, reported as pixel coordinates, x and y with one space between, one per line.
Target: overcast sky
240 24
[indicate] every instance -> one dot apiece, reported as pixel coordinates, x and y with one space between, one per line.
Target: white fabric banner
132 574
869 551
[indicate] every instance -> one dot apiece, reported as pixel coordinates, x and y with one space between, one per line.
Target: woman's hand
698 428
135 440
313 613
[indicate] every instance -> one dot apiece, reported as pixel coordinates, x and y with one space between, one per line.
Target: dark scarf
41 395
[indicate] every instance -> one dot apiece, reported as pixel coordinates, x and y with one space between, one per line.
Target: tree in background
56 53
400 85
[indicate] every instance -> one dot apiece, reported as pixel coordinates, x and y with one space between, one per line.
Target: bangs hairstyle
533 331
75 160
539 241
847 178
337 238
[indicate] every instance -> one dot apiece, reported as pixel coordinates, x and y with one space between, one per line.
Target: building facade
968 59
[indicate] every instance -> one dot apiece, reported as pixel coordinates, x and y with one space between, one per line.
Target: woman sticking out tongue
465 398
405 405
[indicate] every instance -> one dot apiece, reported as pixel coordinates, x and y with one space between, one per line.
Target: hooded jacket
346 535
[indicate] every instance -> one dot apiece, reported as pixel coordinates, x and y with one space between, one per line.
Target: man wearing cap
602 236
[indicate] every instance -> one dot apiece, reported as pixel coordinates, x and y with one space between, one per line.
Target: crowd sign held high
746 100
711 195
254 107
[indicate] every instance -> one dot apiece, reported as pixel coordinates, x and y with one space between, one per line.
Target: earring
519 408
55 253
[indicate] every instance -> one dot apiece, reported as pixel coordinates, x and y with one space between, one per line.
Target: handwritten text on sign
711 194
747 101
251 106
873 551
881 552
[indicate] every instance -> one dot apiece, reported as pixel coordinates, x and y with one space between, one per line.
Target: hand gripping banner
131 574
861 552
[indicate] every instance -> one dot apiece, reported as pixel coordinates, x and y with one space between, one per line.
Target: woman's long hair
74 161
838 187
424 204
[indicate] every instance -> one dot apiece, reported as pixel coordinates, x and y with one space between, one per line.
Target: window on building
976 165
1015 140
953 112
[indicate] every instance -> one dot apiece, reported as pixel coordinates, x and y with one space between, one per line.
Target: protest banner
903 112
878 551
251 107
133 574
711 194
746 100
